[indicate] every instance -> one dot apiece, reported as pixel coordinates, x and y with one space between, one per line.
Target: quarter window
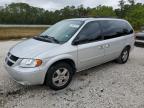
112 29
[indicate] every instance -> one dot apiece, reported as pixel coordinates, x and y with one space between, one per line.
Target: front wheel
59 76
123 58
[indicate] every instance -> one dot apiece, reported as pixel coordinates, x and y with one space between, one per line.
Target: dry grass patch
17 33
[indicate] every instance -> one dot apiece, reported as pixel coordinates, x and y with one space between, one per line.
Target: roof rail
106 17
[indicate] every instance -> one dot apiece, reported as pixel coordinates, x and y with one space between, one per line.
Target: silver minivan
69 46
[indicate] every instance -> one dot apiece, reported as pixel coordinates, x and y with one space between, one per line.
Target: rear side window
91 32
113 29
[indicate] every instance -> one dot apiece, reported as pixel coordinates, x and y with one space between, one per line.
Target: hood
31 48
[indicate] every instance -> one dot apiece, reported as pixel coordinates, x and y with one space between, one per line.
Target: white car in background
140 38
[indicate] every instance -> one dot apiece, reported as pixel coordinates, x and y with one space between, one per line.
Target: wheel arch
56 60
66 60
128 46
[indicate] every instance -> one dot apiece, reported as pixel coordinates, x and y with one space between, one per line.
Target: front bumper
26 76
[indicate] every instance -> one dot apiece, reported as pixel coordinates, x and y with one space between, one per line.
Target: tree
81 11
121 5
102 11
132 2
136 15
22 13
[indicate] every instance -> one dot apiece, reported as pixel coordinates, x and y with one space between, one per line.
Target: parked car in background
140 38
67 47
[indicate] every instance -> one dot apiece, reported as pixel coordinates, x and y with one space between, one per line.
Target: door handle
100 47
107 45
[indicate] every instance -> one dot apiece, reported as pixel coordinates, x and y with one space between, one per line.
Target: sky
59 4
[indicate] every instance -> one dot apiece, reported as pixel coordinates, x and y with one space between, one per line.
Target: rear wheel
124 56
59 76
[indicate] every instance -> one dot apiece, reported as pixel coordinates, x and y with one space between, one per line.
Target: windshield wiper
41 39
52 39
47 38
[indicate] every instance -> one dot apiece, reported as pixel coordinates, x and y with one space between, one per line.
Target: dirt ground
109 85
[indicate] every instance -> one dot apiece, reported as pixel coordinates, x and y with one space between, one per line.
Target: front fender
51 61
61 57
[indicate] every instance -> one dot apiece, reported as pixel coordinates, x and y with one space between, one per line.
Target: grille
9 63
11 59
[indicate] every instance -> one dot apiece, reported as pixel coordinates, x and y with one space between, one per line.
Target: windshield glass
63 30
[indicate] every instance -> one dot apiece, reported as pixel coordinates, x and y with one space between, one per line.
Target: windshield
63 30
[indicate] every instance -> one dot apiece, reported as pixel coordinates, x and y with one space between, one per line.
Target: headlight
30 63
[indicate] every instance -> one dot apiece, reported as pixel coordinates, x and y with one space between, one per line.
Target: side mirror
75 42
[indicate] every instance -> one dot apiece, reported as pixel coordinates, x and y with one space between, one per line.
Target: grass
18 33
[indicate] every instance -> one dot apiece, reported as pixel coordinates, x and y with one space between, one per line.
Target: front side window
113 29
90 33
61 32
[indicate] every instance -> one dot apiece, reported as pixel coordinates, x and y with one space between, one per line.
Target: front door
90 47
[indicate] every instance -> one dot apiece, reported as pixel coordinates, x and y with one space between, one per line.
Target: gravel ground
109 85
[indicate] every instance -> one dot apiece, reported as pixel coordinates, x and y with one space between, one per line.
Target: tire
59 76
123 58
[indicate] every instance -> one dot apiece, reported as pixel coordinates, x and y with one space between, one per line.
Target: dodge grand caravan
67 47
